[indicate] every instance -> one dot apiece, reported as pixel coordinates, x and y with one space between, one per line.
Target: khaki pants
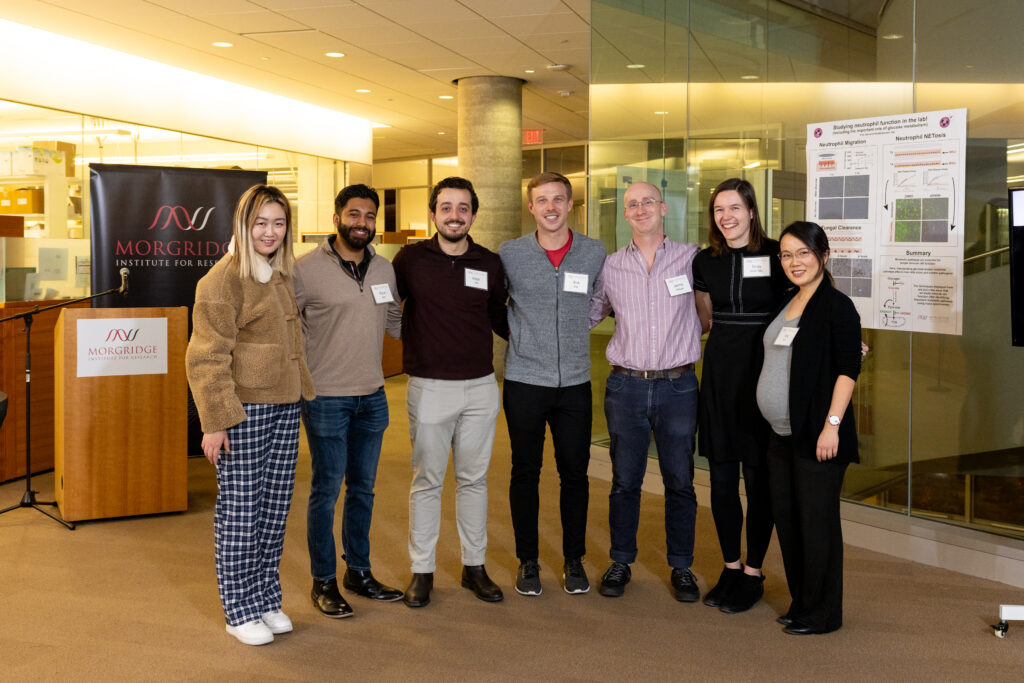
454 416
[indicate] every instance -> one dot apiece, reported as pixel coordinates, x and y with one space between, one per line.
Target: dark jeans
569 412
345 435
634 407
728 510
805 499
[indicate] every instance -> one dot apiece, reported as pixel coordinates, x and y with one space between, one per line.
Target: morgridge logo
116 334
179 214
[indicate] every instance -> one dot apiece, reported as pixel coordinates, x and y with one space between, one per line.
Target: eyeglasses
646 203
801 255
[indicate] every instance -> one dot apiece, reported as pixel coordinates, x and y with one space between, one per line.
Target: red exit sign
533 136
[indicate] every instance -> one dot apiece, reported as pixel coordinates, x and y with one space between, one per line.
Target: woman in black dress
739 282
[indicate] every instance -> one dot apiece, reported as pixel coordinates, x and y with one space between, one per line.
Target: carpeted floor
136 599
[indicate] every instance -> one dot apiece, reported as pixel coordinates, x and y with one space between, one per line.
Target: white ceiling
407 52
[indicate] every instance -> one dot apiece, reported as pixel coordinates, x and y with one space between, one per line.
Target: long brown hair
757 234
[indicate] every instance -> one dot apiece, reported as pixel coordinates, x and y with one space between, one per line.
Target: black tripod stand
29 499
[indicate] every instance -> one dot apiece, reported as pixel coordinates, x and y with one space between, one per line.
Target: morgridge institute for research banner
167 226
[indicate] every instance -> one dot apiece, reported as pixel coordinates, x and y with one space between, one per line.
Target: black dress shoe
362 583
798 629
744 595
328 600
476 579
684 583
613 583
785 620
726 582
418 592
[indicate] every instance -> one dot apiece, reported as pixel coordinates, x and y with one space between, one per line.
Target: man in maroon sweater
454 294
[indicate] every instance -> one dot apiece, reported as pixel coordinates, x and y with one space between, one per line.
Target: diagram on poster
889 192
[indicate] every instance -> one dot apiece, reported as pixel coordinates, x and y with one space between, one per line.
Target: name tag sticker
575 282
382 293
477 279
786 336
677 285
756 266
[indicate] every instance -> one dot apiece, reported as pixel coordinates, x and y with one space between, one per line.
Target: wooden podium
121 439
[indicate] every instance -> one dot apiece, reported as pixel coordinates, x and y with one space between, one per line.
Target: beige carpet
136 599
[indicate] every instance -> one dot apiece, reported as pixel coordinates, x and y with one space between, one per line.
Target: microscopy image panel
935 208
860 267
934 231
855 209
908 209
843 285
857 186
908 231
830 187
830 209
840 267
860 286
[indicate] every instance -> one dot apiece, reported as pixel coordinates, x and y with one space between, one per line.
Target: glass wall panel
735 84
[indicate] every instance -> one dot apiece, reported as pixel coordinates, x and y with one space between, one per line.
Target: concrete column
490 154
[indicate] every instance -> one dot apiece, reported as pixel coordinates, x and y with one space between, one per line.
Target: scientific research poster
889 192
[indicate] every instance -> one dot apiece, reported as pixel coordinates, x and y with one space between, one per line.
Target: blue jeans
345 435
634 407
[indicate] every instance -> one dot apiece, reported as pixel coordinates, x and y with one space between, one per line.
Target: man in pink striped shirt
648 285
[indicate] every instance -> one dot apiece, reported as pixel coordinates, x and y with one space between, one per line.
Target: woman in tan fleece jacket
247 369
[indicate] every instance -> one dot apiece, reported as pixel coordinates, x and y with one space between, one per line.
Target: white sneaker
277 621
252 633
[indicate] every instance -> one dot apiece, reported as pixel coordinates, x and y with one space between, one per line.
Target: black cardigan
827 345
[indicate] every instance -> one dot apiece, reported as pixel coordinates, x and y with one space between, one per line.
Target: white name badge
678 285
786 336
477 279
382 293
756 266
575 282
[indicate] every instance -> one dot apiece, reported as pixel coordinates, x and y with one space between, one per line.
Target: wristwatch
834 420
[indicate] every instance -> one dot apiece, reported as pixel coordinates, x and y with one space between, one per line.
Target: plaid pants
254 491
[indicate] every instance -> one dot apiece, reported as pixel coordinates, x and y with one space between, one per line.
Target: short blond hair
249 206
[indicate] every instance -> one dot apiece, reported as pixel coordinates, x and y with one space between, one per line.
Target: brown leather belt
671 373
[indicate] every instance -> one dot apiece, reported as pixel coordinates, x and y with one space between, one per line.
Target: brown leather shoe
476 579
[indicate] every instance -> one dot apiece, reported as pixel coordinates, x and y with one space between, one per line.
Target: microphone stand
29 499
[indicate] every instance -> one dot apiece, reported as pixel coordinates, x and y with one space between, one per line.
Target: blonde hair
249 206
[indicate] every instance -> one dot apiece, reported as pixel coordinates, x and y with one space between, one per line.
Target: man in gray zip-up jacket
551 275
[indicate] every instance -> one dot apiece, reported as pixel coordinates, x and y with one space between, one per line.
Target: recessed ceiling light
363 90
446 97
264 59
749 77
635 66
221 43
892 36
661 113
334 55
558 67
530 71
440 132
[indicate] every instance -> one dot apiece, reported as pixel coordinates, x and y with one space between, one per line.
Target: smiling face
454 214
732 218
269 229
644 209
802 265
550 206
357 222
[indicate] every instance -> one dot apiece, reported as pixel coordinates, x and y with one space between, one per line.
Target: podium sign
122 346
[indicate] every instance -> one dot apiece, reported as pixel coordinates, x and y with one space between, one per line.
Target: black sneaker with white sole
528 578
575 577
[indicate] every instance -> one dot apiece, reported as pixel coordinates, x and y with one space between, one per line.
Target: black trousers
529 409
728 510
805 499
